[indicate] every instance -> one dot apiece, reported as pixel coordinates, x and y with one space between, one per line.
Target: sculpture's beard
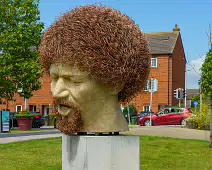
70 123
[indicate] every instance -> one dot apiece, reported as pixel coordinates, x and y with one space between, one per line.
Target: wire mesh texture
103 42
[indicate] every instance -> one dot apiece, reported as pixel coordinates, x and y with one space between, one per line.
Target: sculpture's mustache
63 102
66 125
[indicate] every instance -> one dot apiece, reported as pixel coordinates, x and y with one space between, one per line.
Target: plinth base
100 153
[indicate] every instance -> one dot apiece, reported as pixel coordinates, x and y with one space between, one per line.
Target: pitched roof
162 42
191 92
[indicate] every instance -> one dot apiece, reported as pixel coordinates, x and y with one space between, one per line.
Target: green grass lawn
157 153
19 131
15 131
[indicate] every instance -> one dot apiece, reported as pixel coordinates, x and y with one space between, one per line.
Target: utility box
4 121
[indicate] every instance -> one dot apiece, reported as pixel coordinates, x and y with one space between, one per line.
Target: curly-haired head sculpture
109 54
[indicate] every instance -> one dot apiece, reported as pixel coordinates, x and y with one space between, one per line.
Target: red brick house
168 67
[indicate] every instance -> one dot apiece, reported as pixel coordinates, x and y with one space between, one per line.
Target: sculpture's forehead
65 69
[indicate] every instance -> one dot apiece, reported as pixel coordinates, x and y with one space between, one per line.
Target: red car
167 116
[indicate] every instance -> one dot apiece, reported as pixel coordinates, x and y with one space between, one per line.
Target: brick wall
40 97
178 72
161 96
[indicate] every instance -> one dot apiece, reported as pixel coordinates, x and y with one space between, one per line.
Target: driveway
170 131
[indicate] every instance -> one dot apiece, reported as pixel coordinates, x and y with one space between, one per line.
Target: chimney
176 28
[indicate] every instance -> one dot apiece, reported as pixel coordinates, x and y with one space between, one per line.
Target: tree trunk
7 106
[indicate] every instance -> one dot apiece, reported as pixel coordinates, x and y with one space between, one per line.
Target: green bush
52 115
24 114
51 118
133 112
132 109
198 122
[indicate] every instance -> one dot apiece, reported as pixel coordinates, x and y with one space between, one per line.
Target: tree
206 84
20 36
132 109
196 98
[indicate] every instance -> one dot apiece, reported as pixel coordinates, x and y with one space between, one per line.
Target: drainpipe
168 77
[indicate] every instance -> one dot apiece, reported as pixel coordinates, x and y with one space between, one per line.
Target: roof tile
162 42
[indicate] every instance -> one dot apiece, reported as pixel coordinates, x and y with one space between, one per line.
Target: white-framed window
154 62
18 108
146 108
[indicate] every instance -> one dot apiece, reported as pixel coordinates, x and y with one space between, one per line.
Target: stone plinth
100 153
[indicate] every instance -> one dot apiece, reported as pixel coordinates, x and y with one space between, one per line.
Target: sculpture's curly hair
102 41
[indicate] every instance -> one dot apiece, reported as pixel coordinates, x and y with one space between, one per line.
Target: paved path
6 135
26 138
167 131
170 131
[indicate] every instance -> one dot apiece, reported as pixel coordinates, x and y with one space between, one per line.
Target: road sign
152 85
195 104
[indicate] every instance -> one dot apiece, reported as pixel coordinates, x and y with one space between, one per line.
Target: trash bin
134 121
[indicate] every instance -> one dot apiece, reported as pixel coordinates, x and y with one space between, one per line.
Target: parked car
167 116
137 117
38 120
142 114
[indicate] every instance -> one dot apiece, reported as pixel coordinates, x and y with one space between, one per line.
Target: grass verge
157 153
14 131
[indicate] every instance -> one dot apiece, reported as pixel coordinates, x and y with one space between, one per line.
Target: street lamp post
151 94
186 85
128 112
200 96
153 88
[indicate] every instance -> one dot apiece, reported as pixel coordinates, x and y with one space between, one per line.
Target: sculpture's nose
60 90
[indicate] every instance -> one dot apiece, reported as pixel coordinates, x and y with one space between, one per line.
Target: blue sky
192 16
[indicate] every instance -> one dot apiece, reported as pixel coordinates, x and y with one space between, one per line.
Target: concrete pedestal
100 153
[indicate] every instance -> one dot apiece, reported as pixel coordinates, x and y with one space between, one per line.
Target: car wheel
183 122
147 123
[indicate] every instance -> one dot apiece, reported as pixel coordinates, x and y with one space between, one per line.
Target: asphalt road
6 135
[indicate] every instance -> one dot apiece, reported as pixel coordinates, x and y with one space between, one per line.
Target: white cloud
194 72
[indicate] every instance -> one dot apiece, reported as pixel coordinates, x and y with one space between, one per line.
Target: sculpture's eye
77 79
76 83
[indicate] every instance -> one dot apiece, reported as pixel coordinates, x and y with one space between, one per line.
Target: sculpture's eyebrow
74 76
